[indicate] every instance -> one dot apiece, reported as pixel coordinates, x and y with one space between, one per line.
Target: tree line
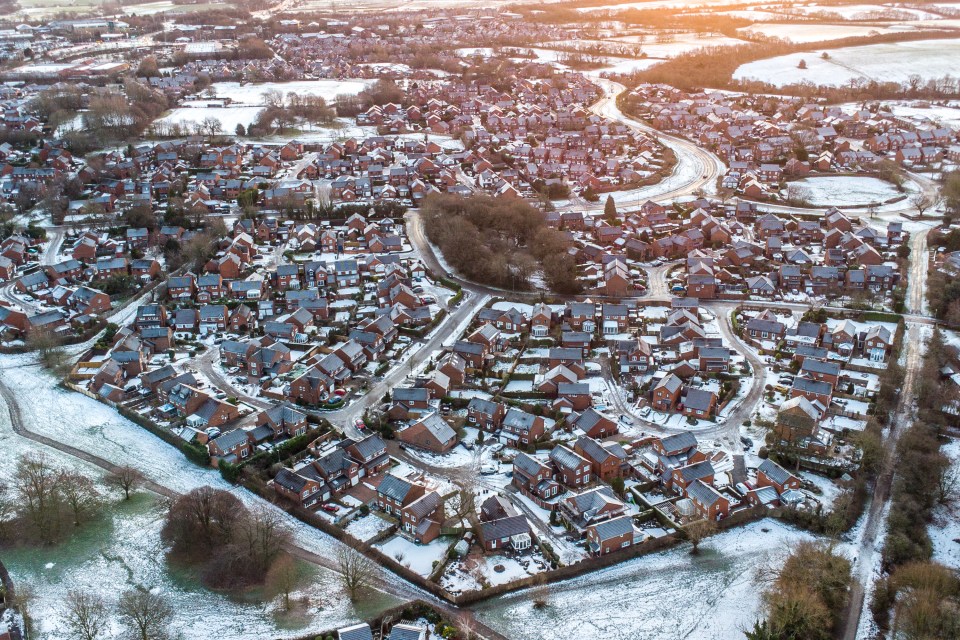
920 598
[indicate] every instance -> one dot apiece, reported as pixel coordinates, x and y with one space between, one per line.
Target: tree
49 347
617 485
148 67
85 615
35 483
126 479
282 578
698 531
80 494
921 202
240 130
610 210
356 571
146 614
262 536
802 64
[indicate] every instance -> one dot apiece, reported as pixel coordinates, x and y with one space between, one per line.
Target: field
845 190
229 117
665 595
881 62
252 94
798 32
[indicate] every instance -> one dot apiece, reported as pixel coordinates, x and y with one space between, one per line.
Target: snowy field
799 32
844 190
864 11
229 117
658 4
882 62
252 94
665 595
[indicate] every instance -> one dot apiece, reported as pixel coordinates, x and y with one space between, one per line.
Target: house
421 519
512 532
521 426
534 478
770 474
610 535
232 446
393 494
607 459
708 502
594 424
295 487
666 393
589 507
486 414
574 395
430 433
698 403
573 470
409 403
284 420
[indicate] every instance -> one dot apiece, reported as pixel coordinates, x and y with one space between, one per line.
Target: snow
131 554
881 62
829 490
252 94
844 190
91 426
229 117
719 591
367 527
795 32
416 557
945 530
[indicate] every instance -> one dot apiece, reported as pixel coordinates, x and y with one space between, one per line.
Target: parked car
359 424
330 508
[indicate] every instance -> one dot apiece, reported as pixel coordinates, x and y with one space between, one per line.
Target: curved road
696 169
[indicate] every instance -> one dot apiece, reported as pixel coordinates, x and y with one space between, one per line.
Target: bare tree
125 479
80 494
698 531
282 578
35 484
146 614
85 615
947 483
356 571
921 202
264 536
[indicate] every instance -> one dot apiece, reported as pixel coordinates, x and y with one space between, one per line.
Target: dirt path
874 524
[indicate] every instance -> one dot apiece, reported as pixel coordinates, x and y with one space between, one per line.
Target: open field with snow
844 190
252 94
894 62
799 32
719 592
229 117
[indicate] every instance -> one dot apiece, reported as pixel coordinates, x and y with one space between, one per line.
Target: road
697 170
